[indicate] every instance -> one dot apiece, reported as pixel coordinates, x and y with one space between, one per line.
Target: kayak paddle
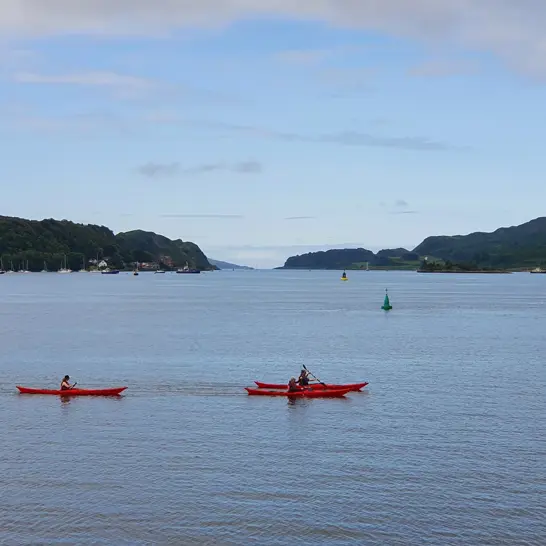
304 367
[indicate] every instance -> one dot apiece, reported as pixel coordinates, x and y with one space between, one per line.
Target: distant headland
38 245
516 248
227 265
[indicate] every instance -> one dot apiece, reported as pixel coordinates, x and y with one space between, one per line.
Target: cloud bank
510 29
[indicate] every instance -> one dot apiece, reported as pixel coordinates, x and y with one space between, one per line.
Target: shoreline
465 272
416 270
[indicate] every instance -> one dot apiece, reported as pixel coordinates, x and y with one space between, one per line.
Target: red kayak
74 392
315 386
312 393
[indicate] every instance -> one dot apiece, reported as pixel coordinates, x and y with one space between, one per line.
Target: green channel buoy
386 303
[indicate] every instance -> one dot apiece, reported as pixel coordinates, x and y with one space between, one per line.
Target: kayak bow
317 386
312 393
74 392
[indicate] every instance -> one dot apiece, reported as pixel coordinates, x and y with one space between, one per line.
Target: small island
355 259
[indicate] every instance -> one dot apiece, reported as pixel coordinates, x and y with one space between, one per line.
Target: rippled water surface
445 446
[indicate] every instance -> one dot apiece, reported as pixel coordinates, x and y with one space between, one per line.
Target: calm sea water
445 446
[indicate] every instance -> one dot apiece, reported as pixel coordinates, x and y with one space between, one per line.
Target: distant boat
2 271
109 271
187 269
537 270
10 270
22 268
83 270
135 271
64 266
159 271
44 270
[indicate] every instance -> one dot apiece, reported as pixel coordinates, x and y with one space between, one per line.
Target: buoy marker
386 303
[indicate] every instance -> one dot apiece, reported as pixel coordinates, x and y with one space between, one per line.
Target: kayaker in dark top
65 385
292 385
303 379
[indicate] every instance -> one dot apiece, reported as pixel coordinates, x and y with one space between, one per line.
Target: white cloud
92 79
443 68
120 86
304 56
13 58
512 29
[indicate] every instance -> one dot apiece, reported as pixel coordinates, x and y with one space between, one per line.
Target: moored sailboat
64 266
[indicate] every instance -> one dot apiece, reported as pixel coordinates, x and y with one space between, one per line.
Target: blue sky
262 129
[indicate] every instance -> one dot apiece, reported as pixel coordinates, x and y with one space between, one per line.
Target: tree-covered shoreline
37 244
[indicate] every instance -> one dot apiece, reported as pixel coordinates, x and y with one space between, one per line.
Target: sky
261 129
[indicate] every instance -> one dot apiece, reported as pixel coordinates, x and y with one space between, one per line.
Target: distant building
102 264
167 260
148 265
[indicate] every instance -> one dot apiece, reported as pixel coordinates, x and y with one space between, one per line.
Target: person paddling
65 385
303 379
293 385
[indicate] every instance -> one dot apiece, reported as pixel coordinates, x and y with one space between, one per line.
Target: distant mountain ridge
516 247
226 265
33 242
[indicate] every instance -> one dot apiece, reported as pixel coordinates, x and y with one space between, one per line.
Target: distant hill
516 247
147 246
351 258
39 241
226 265
513 247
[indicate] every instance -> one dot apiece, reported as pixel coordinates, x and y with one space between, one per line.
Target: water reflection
304 402
67 400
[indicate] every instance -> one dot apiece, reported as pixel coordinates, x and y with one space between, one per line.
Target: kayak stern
73 392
